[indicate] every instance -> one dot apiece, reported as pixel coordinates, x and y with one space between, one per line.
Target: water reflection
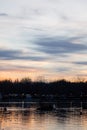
25 116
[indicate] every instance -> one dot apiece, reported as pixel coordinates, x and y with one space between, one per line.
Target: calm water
25 117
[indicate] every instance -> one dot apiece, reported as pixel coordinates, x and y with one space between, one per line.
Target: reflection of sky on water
16 119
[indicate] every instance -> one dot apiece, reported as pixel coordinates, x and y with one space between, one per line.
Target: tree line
40 88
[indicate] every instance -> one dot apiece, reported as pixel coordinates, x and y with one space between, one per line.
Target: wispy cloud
50 35
81 63
59 46
3 14
6 54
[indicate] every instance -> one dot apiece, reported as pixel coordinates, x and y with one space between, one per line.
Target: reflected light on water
42 120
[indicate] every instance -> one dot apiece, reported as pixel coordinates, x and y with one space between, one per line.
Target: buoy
5 109
80 112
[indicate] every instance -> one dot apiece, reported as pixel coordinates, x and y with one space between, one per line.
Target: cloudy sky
45 38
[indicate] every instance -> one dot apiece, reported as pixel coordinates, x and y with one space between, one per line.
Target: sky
43 38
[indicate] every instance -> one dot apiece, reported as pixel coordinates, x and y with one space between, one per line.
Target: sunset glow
43 38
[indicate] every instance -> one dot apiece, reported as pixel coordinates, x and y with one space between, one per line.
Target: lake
25 116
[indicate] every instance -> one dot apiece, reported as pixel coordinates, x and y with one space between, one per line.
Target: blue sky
45 38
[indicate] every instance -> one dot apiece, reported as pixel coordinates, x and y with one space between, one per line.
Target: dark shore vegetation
61 89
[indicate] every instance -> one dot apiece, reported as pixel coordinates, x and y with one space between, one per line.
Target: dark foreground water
25 116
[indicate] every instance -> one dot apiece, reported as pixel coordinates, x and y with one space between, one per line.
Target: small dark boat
45 107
